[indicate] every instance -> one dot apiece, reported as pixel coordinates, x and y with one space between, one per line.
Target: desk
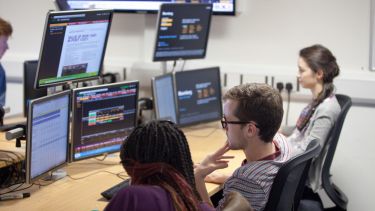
84 194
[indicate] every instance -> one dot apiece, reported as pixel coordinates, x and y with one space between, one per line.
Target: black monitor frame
163 7
63 5
49 16
74 108
178 115
29 93
29 135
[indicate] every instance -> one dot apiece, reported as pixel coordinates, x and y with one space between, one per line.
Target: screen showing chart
182 31
103 116
198 96
48 135
220 7
73 46
164 101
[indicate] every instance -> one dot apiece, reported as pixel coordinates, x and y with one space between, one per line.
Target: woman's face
306 76
3 45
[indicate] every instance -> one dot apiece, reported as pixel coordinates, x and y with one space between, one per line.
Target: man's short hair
5 28
259 103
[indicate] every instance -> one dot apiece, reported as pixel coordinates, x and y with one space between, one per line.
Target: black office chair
334 193
288 184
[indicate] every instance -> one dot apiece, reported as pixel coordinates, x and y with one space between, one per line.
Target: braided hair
157 153
318 57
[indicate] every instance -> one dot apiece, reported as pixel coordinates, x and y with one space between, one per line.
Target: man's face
3 45
235 132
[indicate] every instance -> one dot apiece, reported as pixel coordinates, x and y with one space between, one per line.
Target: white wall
263 39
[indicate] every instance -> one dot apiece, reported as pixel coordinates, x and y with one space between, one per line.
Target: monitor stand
56 175
164 67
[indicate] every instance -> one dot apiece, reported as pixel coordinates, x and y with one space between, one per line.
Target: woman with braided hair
157 158
317 69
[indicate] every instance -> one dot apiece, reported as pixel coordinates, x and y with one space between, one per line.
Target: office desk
91 176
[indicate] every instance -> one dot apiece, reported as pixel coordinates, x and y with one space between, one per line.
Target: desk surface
88 178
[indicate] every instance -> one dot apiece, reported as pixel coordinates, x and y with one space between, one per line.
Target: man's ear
251 130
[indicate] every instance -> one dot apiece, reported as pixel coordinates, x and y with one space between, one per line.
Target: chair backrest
290 179
334 193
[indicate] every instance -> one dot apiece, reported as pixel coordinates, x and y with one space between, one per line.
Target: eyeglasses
224 123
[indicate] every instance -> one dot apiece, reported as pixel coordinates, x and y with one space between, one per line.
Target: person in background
5 32
156 156
252 117
317 67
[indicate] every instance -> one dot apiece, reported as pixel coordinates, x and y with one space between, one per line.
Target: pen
14 196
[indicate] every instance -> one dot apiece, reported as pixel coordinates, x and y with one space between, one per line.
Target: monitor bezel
74 108
69 81
158 59
63 5
30 180
155 101
220 97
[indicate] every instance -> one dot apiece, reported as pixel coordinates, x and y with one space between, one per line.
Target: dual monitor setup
101 117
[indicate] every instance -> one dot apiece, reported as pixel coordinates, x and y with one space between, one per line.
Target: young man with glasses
252 116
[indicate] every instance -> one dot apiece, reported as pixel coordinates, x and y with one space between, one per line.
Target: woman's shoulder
330 104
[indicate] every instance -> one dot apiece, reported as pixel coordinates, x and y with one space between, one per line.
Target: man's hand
212 162
217 177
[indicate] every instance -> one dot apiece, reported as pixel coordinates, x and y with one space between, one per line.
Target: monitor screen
73 46
182 31
198 96
220 7
164 100
47 135
29 93
103 116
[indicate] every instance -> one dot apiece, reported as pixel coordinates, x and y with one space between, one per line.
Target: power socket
284 79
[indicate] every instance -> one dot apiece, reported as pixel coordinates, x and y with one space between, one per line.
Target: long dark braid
318 57
158 143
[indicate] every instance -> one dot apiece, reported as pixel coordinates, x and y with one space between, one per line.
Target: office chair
333 191
288 184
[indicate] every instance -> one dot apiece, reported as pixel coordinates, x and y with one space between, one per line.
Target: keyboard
110 192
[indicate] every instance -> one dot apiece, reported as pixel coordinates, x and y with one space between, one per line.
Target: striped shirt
254 179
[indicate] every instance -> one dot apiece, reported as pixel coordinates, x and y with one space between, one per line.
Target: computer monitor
47 135
220 7
182 31
198 96
103 116
29 92
164 97
73 46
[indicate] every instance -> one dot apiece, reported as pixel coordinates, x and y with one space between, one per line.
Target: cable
174 65
183 66
79 178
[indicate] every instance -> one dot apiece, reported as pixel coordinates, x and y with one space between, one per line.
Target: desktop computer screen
29 93
47 135
164 97
73 46
103 116
182 31
198 94
220 7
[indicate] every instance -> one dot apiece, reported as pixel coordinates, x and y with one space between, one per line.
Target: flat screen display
103 116
164 97
220 7
73 46
47 135
30 93
182 31
198 94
